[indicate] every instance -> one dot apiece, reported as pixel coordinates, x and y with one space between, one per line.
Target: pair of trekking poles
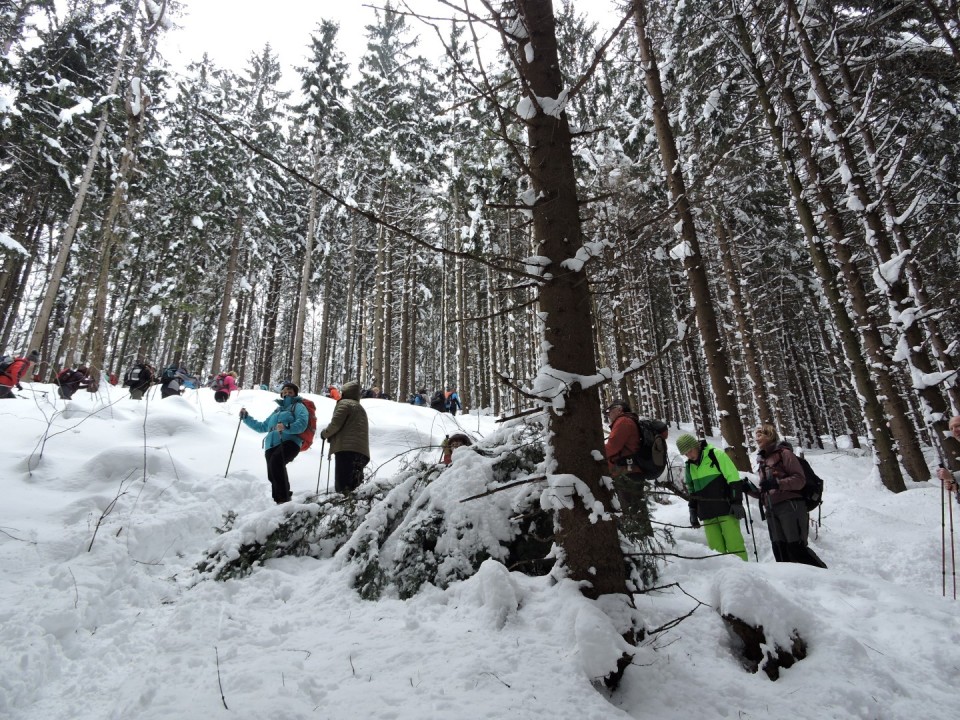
323 448
946 506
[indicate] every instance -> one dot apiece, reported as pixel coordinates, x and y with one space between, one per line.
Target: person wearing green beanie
715 495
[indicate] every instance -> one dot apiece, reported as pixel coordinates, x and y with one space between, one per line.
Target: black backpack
650 460
813 489
133 376
169 373
438 401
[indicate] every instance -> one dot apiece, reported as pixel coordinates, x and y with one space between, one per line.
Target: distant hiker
138 379
420 398
781 483
951 481
452 443
439 401
716 496
333 392
72 380
12 374
452 401
375 392
349 438
172 380
283 441
224 384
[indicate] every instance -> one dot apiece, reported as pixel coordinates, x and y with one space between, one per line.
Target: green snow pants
724 536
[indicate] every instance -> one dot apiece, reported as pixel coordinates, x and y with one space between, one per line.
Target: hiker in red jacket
11 376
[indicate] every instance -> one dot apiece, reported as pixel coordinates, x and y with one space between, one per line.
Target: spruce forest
726 211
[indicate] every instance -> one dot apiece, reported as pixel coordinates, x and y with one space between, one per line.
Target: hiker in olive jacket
349 438
715 494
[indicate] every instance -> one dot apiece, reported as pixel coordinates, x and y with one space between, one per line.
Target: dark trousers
277 458
6 393
349 471
221 396
788 525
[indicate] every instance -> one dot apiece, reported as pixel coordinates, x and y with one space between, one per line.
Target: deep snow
118 632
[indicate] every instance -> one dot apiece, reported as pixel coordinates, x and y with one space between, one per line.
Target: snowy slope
117 632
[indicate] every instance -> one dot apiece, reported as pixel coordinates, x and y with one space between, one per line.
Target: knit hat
34 356
686 443
296 389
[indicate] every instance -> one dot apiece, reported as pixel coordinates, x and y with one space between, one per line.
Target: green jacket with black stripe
713 482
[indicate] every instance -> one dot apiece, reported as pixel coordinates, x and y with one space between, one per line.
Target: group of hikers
788 488
635 452
291 427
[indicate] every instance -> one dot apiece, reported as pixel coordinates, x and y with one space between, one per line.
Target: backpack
438 401
169 373
64 375
308 434
5 362
812 491
219 382
133 376
650 460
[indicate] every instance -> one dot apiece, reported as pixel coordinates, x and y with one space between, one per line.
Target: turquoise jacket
294 416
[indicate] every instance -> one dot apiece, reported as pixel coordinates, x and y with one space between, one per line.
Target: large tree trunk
717 358
590 543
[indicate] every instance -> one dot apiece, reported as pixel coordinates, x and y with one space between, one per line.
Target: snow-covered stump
757 654
764 624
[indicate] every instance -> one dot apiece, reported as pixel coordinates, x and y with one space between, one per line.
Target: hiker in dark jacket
452 443
452 401
283 441
138 379
781 482
72 380
349 438
173 380
11 377
375 393
716 498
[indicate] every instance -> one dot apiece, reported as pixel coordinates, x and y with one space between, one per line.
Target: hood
350 391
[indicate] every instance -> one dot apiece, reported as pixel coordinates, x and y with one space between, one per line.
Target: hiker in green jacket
715 494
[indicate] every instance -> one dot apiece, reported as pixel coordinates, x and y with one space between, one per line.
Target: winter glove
243 413
737 511
769 483
694 520
748 487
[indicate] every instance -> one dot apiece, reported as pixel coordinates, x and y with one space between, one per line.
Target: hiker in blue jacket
283 441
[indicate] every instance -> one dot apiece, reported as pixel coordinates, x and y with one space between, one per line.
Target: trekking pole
943 537
320 469
328 476
953 557
746 500
234 445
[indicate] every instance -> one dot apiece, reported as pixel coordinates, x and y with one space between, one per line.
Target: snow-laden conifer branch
352 206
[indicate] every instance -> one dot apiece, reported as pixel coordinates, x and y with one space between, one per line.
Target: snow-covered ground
100 623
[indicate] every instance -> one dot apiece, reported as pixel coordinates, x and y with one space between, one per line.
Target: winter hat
686 443
622 404
34 356
296 389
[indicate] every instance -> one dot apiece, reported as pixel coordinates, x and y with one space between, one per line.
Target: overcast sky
231 30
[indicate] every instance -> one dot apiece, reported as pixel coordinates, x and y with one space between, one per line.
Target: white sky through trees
229 31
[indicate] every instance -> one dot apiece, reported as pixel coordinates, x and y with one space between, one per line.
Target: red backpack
307 435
